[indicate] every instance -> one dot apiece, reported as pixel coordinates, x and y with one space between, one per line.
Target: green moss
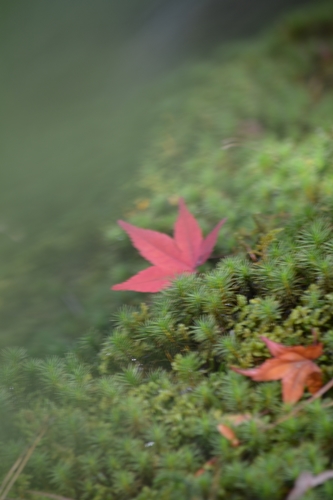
133 414
149 423
243 134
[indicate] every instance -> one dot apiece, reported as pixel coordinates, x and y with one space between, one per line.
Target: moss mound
249 132
134 415
140 420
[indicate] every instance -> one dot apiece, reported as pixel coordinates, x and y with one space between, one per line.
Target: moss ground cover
133 414
139 419
244 136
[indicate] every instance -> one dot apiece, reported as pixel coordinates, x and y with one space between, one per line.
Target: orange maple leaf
293 366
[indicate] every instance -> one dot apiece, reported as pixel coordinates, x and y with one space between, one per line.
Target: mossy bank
133 414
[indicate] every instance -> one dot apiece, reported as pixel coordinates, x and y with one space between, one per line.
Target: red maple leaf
169 256
293 366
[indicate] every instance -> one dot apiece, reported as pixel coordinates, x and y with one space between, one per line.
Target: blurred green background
80 87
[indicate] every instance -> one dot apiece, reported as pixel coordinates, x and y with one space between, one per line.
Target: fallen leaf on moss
228 433
293 366
169 256
234 420
207 466
306 481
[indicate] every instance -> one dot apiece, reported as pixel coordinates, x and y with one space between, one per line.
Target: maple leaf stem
302 405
